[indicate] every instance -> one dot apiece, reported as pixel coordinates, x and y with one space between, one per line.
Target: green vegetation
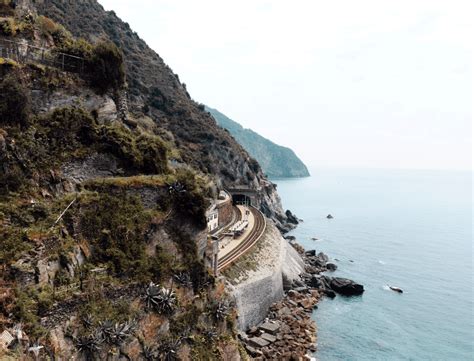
107 67
145 153
8 27
6 8
48 28
275 160
14 243
191 202
116 227
66 134
87 270
30 303
98 309
14 103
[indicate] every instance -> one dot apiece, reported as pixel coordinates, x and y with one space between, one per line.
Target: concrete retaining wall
256 281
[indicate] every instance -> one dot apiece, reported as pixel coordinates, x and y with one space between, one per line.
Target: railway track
247 243
236 218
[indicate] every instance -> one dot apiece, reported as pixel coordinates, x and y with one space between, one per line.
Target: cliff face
155 91
102 213
102 201
276 161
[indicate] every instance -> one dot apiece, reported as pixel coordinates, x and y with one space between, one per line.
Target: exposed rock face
154 90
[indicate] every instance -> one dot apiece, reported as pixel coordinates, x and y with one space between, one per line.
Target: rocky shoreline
288 332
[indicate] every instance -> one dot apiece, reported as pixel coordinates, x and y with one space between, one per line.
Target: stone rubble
288 333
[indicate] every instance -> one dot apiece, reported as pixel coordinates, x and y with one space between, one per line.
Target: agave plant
183 278
210 334
122 331
148 353
116 334
106 329
87 320
220 311
90 345
162 299
168 350
176 187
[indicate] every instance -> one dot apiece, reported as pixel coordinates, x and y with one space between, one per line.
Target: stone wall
256 280
225 212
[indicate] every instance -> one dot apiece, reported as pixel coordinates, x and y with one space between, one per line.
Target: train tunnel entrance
244 195
241 199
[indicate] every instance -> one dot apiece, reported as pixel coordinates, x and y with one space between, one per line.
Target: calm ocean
411 229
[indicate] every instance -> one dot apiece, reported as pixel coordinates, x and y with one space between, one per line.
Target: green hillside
275 160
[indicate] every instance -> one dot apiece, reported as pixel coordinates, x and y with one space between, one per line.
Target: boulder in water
291 217
331 267
329 216
330 293
346 287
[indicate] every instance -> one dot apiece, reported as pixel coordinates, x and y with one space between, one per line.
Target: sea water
410 229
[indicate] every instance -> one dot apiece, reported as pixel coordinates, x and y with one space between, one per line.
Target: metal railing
22 52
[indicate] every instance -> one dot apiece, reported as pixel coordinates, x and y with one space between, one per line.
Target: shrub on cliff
48 28
189 200
107 69
14 102
8 27
153 152
7 8
145 153
116 226
67 128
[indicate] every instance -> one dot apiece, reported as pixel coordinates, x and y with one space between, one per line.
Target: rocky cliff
276 161
156 92
107 169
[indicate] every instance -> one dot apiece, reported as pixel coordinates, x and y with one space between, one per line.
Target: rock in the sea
314 282
329 216
291 217
310 253
330 293
331 267
290 238
346 287
323 257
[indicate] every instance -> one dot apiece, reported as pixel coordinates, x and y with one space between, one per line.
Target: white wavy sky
379 84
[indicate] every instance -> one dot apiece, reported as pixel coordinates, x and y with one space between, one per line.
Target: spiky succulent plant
149 353
176 187
183 279
220 310
116 334
161 299
168 350
210 334
87 320
90 345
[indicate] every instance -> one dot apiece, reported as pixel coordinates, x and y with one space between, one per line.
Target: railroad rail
221 233
247 243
